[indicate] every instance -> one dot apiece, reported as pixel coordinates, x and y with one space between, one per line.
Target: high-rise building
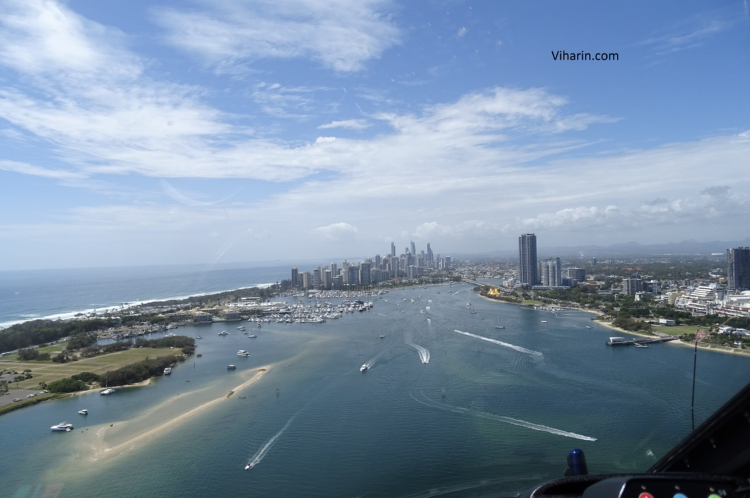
328 279
738 268
316 278
334 270
430 258
306 279
295 274
527 270
353 275
447 262
364 272
413 249
577 275
550 273
378 262
393 248
631 286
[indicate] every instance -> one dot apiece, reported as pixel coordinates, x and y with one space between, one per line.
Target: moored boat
83 412
62 426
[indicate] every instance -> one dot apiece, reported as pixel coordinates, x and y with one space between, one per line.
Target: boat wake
424 354
535 354
500 418
261 453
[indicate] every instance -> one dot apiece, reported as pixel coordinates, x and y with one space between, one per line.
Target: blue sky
135 132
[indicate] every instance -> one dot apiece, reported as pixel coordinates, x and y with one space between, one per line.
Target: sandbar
170 424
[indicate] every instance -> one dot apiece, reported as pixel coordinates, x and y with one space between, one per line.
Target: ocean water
30 294
450 406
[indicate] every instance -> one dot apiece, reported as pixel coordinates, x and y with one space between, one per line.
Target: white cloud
341 34
688 34
353 124
336 231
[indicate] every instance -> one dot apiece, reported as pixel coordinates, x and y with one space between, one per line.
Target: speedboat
231 367
223 332
252 336
62 426
544 321
363 368
168 371
242 352
107 391
83 412
249 466
499 326
382 336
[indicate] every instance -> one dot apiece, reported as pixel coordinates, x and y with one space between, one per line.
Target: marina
323 411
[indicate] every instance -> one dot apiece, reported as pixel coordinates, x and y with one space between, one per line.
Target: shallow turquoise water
480 418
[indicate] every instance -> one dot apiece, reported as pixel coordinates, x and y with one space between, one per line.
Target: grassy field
48 371
532 302
678 329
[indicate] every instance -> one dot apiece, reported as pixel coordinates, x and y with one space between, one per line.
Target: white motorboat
62 426
249 465
499 326
231 367
168 371
107 391
363 368
223 332
252 336
242 352
83 412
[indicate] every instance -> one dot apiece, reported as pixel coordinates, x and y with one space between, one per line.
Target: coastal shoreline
702 347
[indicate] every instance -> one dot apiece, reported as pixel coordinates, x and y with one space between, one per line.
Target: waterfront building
353 275
738 269
338 282
576 275
378 262
328 279
393 249
550 273
430 257
527 271
316 278
334 270
345 272
413 249
306 279
364 272
631 286
294 277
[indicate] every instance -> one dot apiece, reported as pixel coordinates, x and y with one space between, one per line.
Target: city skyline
139 132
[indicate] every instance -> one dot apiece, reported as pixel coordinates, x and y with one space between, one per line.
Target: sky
212 131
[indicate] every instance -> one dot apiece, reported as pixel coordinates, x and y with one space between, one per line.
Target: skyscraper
527 259
413 249
738 268
295 273
393 248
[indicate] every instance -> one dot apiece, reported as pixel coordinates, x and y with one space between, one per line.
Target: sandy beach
100 448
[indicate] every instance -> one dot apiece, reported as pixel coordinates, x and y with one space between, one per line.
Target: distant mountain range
627 249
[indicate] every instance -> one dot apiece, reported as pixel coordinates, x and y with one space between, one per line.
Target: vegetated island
80 368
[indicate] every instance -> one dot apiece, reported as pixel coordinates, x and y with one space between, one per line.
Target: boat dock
621 341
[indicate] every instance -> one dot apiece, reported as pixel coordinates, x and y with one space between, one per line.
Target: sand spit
101 450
